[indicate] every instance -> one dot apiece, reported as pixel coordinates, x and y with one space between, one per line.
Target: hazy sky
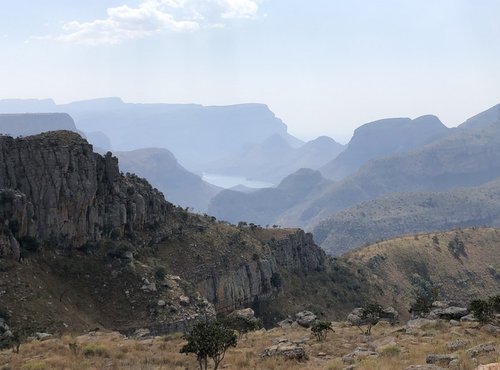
323 66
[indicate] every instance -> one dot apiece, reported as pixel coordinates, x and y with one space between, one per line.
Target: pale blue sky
323 66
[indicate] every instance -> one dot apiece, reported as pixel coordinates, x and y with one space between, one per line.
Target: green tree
320 329
209 340
370 316
482 310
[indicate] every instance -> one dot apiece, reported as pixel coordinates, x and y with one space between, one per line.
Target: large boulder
440 359
449 313
287 350
305 318
480 349
390 314
359 354
246 313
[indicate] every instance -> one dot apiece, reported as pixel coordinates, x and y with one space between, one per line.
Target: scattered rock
161 303
454 323
480 349
420 323
43 336
468 318
423 367
286 350
358 354
305 318
456 344
285 323
383 343
141 333
321 354
491 329
147 286
440 359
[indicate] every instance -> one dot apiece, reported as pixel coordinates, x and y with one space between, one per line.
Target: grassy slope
403 264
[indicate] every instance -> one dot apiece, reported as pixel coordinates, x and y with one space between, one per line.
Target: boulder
390 314
491 329
246 313
354 318
305 318
423 367
43 336
141 333
480 349
456 344
287 350
420 323
449 313
468 318
440 359
492 366
285 323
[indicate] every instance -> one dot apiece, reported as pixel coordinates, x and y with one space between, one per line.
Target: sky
323 66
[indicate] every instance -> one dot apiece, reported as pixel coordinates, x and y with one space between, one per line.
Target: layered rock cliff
59 195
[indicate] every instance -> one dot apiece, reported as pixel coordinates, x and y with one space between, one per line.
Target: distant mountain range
383 138
162 170
30 124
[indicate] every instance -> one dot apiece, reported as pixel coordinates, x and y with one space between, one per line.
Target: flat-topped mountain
383 138
163 171
25 124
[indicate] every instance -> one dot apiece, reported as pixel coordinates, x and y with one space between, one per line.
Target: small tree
421 307
209 339
320 329
370 316
482 310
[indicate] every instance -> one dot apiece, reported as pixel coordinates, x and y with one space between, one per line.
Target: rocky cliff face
98 224
68 195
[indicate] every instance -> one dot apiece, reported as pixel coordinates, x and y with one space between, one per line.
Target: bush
209 340
160 273
421 307
482 310
320 329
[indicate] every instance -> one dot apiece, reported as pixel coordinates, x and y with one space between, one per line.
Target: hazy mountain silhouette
383 138
485 118
274 159
162 170
265 205
26 124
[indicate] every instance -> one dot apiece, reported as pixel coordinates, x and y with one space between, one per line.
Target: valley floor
397 348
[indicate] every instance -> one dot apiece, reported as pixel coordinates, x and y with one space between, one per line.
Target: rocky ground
425 344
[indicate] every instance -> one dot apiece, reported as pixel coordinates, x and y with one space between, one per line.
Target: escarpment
102 239
73 195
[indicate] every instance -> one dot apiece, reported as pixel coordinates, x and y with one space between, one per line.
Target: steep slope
99 246
31 124
382 138
163 171
408 213
464 158
489 116
274 159
404 267
265 205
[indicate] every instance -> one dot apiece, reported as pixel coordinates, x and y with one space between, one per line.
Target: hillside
489 116
405 266
163 171
464 158
107 250
383 138
264 206
408 213
274 159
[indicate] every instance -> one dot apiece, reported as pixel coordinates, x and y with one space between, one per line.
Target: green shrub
482 310
320 329
242 325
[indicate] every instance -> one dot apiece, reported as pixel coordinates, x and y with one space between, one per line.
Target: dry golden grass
113 351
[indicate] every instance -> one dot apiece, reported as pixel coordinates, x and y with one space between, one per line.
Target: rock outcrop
63 192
